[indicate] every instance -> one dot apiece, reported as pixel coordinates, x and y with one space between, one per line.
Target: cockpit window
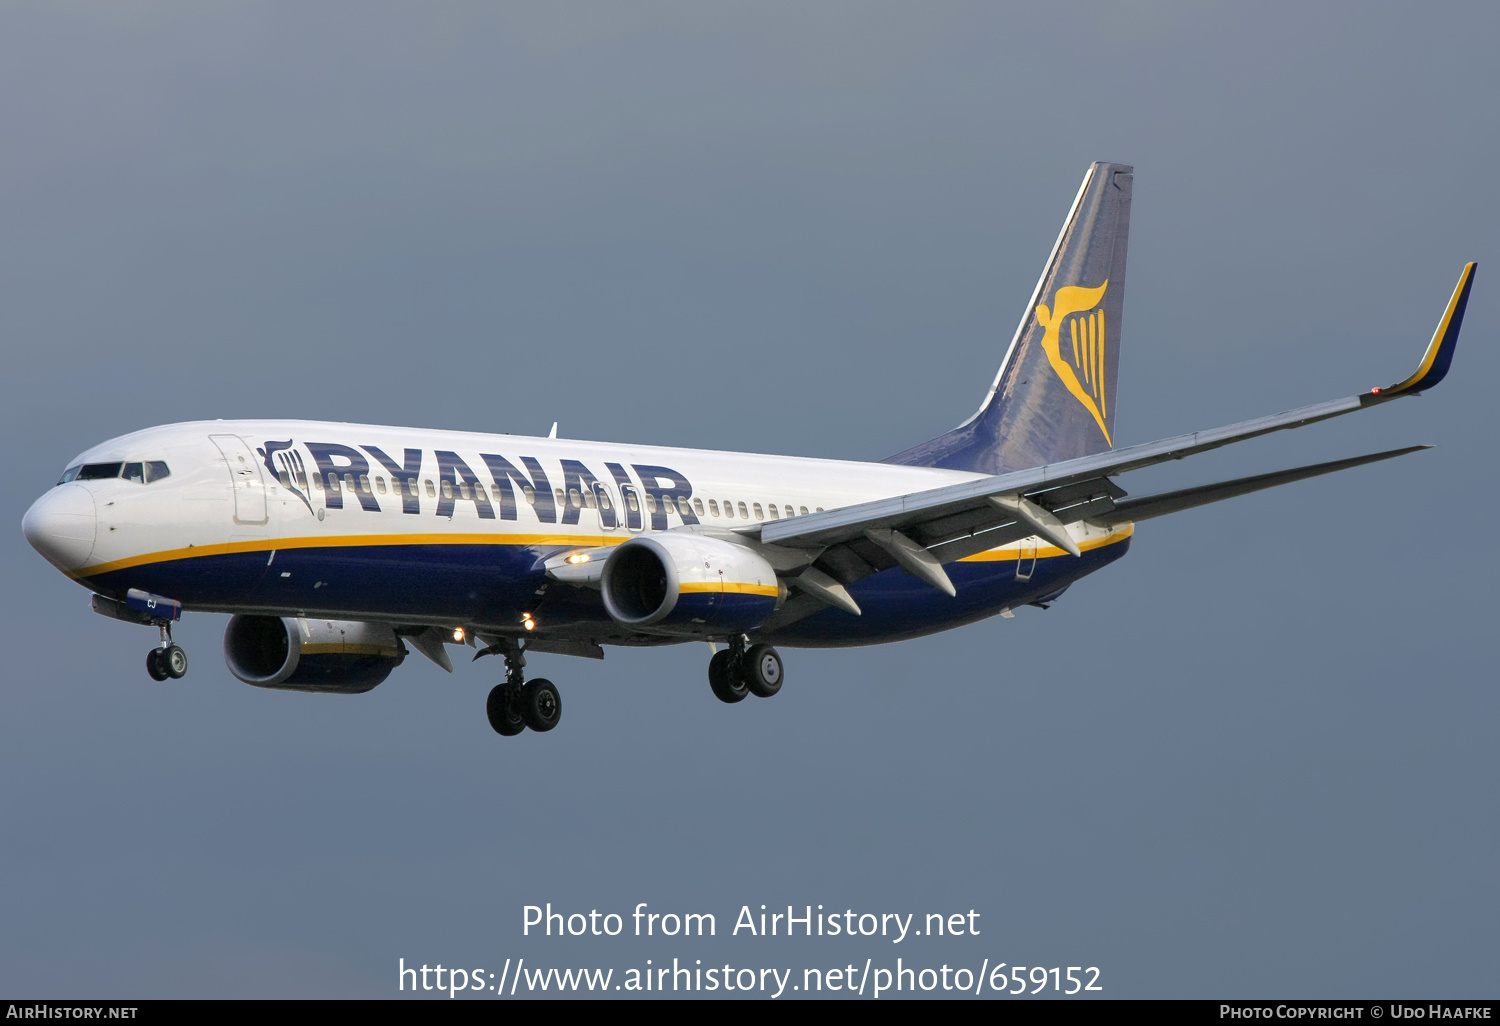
140 473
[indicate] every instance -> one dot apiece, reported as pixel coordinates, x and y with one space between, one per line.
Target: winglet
1439 354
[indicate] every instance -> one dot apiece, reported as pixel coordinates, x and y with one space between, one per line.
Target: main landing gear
739 671
520 703
166 660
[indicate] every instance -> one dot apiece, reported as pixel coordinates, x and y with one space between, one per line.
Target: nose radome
60 525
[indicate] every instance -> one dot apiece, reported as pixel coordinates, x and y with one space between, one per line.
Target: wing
922 531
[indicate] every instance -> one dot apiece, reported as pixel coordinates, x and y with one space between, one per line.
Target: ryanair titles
335 471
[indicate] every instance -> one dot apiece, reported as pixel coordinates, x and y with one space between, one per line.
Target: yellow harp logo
1084 373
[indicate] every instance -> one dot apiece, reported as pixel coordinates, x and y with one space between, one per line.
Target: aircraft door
630 501
608 520
1026 559
245 475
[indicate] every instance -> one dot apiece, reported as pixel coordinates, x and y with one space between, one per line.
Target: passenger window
333 482
364 483
758 514
463 489
698 505
431 491
447 489
650 503
713 507
669 503
349 482
588 499
560 497
630 501
284 478
802 510
380 485
744 512
317 481
789 512
819 509
772 509
135 472
575 501
604 502
528 493
479 495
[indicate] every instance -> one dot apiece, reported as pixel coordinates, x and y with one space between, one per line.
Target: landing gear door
244 473
1026 559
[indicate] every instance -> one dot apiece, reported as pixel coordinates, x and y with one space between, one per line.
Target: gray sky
1254 758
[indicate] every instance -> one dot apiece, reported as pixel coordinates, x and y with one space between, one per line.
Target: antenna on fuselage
553 432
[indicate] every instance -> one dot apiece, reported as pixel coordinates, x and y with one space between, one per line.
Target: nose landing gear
166 660
148 610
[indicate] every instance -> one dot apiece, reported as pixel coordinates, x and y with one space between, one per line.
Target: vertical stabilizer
1054 397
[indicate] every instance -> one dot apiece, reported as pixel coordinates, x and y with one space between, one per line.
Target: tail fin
1054 398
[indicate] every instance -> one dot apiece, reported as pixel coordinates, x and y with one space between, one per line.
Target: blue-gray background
1255 758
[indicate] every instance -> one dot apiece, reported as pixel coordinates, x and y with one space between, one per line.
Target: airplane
338 548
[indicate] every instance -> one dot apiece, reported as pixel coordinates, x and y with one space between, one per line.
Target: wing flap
967 498
936 515
969 517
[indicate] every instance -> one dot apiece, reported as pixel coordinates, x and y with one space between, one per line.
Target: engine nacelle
688 584
296 654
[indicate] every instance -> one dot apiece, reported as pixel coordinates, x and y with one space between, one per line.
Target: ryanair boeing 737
336 548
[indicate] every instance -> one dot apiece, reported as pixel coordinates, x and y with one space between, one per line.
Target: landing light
458 634
578 557
528 622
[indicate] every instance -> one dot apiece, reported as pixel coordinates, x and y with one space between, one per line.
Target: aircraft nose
60 525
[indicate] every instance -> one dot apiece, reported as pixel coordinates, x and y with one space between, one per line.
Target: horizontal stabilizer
1147 506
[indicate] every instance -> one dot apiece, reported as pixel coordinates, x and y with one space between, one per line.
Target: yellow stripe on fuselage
350 541
536 540
1012 553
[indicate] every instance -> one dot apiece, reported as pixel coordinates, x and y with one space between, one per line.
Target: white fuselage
405 525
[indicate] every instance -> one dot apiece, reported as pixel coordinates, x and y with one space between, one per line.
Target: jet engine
297 654
689 584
